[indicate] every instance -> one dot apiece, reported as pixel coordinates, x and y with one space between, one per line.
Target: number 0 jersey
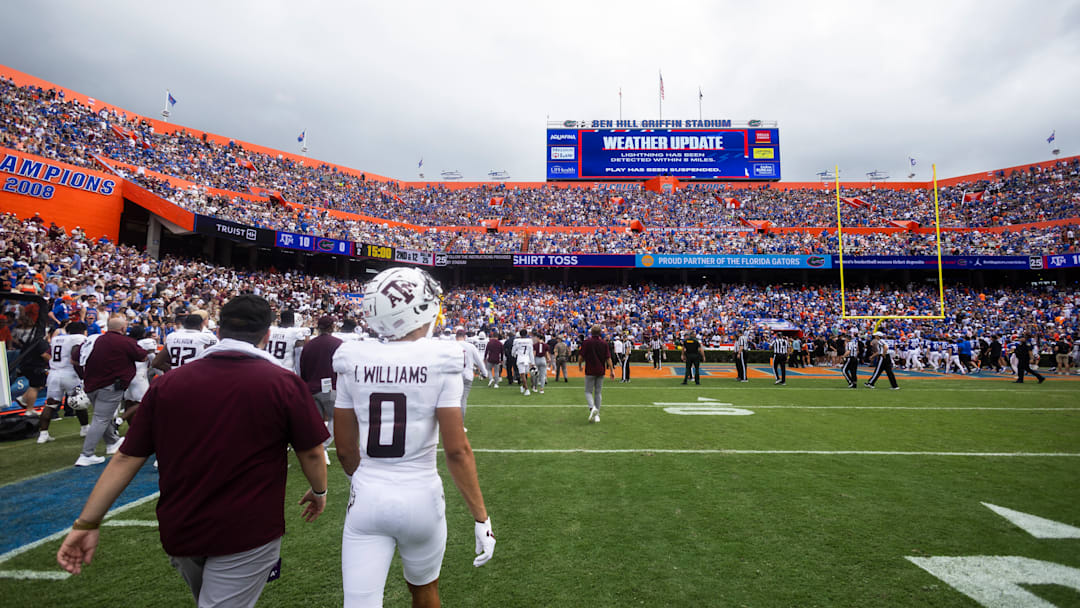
184 345
395 388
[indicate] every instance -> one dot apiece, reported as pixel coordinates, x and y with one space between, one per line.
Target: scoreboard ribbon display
731 154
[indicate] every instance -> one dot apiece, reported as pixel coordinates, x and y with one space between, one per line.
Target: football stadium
808 384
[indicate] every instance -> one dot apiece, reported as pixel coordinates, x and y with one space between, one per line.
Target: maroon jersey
494 351
595 354
220 426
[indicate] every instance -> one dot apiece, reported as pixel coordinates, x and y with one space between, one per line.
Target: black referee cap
246 313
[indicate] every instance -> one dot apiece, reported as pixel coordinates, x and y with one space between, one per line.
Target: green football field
723 494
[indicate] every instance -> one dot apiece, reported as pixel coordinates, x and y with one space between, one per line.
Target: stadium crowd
695 219
89 279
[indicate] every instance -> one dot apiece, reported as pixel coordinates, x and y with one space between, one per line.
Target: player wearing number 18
393 400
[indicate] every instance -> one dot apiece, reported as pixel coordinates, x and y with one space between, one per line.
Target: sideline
59 574
63 493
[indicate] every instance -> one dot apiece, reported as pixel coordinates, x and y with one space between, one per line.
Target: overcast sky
467 85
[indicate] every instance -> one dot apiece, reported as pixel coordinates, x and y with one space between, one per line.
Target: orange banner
68 195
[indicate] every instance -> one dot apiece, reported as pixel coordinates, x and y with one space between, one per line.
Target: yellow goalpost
840 240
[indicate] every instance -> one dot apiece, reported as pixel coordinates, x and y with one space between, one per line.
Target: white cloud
469 85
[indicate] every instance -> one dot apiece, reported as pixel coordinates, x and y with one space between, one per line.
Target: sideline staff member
1023 361
109 371
692 355
221 511
596 358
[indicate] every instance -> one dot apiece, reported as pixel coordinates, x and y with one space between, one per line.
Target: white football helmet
398 300
79 400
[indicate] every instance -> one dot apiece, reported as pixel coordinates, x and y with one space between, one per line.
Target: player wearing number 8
394 399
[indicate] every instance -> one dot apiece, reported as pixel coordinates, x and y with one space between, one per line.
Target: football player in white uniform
141 382
522 351
62 380
473 363
184 345
394 399
285 340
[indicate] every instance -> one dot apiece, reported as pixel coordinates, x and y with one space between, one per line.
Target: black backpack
14 428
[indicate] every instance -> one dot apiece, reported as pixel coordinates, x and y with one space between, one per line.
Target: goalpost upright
840 246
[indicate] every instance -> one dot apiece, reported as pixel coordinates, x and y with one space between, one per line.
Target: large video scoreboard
641 149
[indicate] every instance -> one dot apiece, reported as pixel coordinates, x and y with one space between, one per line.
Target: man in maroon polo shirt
220 426
596 358
108 373
317 371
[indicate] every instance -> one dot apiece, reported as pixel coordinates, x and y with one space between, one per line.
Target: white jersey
522 350
184 345
473 361
395 388
140 382
351 336
87 348
60 351
149 345
282 344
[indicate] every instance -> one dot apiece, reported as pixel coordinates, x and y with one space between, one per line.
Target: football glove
485 543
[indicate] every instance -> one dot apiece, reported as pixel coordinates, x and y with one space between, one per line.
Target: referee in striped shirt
657 346
741 344
781 347
879 354
851 360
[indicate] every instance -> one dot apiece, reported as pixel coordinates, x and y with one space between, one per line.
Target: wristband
319 494
85 525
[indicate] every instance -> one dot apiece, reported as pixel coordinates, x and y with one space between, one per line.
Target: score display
719 154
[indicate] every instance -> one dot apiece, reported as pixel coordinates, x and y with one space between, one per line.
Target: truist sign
213 226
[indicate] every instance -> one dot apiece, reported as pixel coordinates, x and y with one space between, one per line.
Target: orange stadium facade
25 178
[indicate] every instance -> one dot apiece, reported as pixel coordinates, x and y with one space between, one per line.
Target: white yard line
766 384
661 404
785 452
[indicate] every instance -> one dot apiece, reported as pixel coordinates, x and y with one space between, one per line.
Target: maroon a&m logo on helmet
398 292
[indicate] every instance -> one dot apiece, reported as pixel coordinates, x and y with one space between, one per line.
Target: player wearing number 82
184 345
394 399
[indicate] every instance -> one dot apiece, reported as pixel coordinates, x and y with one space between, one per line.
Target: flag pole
303 145
165 108
700 95
661 100
620 103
